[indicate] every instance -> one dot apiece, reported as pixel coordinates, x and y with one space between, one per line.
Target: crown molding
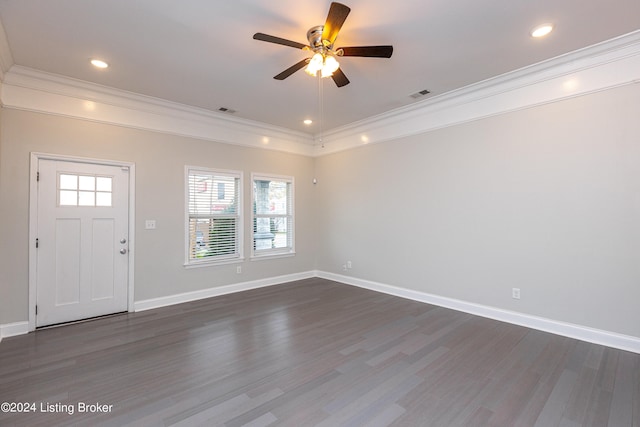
603 66
6 59
33 90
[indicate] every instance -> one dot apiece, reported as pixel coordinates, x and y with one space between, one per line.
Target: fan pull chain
321 107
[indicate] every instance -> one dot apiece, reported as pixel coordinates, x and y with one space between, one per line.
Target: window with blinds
273 216
214 227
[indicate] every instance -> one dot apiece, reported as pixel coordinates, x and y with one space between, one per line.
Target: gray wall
160 161
545 199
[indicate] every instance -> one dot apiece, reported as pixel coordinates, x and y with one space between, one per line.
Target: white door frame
33 223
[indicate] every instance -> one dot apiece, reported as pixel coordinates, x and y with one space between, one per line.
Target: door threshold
73 322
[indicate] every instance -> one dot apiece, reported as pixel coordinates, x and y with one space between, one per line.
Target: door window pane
68 182
86 198
68 198
87 183
93 190
103 183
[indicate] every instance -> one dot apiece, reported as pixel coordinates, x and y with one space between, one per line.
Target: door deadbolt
123 241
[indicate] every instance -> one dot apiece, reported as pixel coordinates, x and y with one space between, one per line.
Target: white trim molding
579 332
6 59
33 90
220 290
33 223
13 329
603 66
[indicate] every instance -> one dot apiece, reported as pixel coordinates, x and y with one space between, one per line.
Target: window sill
213 263
262 257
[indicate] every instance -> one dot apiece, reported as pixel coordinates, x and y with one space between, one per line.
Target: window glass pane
86 198
279 229
199 195
271 197
198 238
205 195
273 215
213 212
222 237
278 198
87 183
68 182
103 199
103 183
212 237
68 198
262 202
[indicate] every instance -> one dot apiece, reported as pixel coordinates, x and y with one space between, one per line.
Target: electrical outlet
150 224
349 265
344 267
515 293
239 269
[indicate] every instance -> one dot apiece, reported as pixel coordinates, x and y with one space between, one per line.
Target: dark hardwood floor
314 352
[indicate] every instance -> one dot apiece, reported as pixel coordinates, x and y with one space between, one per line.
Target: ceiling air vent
419 94
226 110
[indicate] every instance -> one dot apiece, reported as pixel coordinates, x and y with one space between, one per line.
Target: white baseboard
12 329
583 333
220 290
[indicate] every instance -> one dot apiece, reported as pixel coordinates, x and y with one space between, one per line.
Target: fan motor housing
314 35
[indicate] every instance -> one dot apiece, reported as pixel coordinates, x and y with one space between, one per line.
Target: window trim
279 252
212 261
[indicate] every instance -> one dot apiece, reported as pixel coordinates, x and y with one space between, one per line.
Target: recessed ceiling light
99 63
307 122
541 30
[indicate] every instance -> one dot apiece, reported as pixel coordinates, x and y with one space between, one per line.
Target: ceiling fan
321 39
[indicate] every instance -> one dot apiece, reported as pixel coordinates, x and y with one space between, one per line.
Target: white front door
82 241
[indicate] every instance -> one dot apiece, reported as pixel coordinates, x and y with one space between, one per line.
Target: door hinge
36 309
37 243
38 176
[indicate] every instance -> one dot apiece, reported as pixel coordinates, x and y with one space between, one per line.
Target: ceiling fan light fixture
315 64
321 42
325 63
330 64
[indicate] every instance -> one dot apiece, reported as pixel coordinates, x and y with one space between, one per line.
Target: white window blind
273 215
213 211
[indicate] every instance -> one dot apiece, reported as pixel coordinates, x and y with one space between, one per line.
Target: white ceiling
201 52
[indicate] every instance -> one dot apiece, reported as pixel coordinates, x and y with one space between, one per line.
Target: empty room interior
302 213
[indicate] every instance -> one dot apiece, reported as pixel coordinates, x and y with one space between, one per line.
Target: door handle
123 241
123 251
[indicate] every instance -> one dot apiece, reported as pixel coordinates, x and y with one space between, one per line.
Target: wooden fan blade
277 40
337 15
286 73
368 51
339 78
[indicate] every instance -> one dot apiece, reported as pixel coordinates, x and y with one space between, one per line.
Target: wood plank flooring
314 353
